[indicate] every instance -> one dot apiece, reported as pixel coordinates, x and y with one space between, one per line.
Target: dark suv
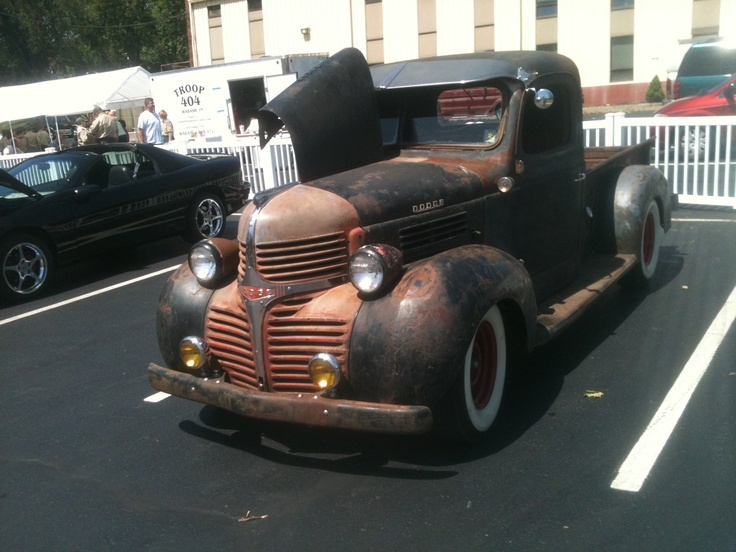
705 64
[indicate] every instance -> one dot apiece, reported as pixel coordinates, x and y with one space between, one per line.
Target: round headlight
366 271
324 371
373 268
204 261
192 352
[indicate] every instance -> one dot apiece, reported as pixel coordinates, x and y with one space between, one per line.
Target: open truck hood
331 115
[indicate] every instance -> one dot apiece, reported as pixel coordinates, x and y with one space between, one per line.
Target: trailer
218 101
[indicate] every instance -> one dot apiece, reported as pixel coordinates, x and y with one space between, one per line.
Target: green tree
48 39
655 93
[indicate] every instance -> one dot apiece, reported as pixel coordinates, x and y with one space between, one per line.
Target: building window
621 4
484 28
622 58
214 20
374 31
546 8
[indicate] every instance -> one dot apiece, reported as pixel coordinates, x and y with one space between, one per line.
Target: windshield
462 117
46 175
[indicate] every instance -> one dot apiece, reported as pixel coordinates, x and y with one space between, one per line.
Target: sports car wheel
26 268
649 244
205 218
476 396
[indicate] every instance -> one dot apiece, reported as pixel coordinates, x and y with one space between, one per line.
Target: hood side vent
434 236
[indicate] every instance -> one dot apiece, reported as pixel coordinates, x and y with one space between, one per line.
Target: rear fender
637 185
409 346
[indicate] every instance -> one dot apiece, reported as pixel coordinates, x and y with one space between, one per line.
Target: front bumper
296 408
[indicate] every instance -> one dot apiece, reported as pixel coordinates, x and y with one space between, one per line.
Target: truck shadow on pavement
529 396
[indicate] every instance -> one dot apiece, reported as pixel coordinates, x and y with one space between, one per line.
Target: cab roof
470 68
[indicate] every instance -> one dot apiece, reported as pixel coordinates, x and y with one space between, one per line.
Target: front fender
409 346
181 312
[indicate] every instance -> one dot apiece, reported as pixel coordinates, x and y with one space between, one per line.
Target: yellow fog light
324 371
192 352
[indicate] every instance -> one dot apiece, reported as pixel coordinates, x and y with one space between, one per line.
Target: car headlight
192 352
373 269
213 260
660 115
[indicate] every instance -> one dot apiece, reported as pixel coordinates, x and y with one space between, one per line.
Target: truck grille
291 341
228 336
314 258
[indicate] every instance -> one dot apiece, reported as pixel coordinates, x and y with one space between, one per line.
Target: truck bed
597 158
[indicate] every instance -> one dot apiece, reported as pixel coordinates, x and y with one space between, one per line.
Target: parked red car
717 100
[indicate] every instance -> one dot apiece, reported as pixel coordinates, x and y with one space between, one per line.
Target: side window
547 129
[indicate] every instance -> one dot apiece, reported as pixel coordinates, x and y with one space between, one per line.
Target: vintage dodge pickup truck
447 217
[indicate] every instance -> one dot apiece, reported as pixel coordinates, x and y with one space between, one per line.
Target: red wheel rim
484 364
647 251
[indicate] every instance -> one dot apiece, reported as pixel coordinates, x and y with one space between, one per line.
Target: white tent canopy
110 90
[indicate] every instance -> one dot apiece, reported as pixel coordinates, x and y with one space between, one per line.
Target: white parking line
642 457
88 295
157 397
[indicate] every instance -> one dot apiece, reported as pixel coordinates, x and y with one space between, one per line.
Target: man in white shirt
149 125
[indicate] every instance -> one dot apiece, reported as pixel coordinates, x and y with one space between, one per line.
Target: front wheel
26 268
649 244
205 218
475 398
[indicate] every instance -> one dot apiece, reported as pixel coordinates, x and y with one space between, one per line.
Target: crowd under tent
122 89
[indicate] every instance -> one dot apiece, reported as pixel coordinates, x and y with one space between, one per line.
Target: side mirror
543 98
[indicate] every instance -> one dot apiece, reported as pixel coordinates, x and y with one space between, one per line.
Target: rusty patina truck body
447 215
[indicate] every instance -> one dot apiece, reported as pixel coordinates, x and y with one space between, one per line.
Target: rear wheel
205 218
26 268
475 398
649 245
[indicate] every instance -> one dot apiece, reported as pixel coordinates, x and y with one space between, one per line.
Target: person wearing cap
82 133
104 127
149 124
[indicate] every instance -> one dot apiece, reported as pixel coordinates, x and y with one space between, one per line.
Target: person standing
44 140
104 128
82 134
167 127
149 124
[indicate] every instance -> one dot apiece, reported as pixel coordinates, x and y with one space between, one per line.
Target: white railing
263 169
699 177
696 154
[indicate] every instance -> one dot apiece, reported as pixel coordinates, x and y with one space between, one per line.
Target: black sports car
64 206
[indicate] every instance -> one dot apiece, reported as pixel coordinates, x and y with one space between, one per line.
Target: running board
597 274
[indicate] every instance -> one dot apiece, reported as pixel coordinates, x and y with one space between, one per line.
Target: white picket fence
707 178
698 178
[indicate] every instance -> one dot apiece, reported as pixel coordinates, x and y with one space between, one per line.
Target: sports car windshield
463 117
46 175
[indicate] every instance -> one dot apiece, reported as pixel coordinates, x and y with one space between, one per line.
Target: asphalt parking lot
617 436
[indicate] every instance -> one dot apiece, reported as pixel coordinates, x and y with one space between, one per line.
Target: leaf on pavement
249 517
594 394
